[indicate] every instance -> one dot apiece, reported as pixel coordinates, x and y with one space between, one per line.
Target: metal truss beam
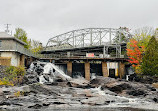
86 37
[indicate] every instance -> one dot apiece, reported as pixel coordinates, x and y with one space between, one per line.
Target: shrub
5 81
13 75
18 93
17 71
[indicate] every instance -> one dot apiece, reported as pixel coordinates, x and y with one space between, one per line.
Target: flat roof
4 35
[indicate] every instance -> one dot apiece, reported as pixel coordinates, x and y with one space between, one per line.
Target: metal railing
50 56
20 49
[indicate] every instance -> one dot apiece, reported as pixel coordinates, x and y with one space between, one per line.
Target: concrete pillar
87 70
22 60
105 69
121 69
69 69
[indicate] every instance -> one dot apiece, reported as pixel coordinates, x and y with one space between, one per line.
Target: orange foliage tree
135 53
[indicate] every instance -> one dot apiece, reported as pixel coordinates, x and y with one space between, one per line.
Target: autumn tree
135 53
150 58
137 46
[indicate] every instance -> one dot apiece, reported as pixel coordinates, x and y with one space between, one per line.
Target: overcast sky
43 19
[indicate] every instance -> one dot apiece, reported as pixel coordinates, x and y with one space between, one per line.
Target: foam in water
98 91
42 80
31 67
93 76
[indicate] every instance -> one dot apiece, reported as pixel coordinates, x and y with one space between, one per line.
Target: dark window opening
112 73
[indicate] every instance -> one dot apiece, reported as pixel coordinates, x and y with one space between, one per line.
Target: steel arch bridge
87 37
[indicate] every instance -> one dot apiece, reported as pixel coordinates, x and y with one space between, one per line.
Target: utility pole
7 28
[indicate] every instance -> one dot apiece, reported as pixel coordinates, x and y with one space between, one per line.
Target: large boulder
120 87
137 92
78 82
100 80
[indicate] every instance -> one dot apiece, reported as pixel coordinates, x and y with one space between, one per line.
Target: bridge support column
69 69
104 69
87 70
22 60
121 69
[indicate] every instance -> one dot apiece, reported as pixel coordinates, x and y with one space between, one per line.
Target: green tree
22 35
150 58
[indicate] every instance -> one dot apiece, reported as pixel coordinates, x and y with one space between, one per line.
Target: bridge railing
54 56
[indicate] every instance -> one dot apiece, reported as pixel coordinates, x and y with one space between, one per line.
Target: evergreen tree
150 58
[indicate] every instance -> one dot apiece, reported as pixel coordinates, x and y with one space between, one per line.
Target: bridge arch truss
87 37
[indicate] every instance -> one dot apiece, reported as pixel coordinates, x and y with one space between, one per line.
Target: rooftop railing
20 49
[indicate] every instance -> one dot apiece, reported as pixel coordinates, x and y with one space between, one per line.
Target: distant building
12 51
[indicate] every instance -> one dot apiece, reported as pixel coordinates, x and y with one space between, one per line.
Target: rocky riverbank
101 93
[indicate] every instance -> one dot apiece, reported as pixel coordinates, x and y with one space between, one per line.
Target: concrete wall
7 45
10 45
113 65
15 57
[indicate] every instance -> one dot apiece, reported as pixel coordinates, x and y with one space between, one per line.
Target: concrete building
12 51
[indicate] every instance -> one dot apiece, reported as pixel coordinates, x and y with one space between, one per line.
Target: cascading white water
52 71
31 68
49 68
97 91
93 76
42 79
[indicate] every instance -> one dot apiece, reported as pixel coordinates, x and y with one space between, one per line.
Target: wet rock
41 88
88 93
46 104
35 106
5 103
2 97
125 86
155 100
104 100
80 83
102 80
94 101
116 89
62 84
146 79
137 92
30 78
